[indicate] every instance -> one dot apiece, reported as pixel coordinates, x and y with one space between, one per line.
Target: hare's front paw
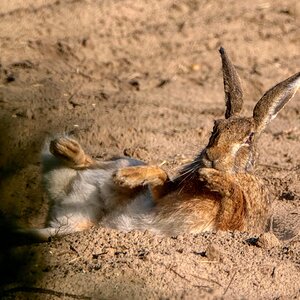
71 151
216 181
130 177
138 176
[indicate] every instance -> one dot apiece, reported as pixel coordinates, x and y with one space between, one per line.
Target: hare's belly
136 215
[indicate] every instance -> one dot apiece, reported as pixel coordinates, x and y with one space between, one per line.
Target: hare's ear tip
295 80
221 50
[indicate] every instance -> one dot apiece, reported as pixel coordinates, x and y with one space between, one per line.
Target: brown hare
217 191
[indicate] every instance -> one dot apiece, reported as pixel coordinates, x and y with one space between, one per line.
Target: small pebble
213 253
268 240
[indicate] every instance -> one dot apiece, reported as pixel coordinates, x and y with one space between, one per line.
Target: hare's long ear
232 86
274 100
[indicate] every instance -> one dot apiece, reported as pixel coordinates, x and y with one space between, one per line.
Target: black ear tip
222 50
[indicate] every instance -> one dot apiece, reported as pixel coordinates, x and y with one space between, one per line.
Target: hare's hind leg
71 152
36 235
132 177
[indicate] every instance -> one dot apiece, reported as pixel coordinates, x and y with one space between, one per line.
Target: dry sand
143 78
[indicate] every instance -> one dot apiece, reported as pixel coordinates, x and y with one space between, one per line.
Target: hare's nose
212 154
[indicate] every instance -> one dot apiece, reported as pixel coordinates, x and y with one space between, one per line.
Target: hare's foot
216 181
132 177
33 235
70 151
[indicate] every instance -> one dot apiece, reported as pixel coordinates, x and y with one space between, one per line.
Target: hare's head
232 144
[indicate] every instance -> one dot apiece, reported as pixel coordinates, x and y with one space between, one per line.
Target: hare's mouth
220 164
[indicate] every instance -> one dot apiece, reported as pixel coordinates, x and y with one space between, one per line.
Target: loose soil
143 78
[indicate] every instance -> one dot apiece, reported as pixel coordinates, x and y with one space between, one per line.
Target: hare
217 191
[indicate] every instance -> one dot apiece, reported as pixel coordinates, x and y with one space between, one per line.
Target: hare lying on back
217 191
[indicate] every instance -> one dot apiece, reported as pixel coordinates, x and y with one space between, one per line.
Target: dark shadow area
21 140
15 259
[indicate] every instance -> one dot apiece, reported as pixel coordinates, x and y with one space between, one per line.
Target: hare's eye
250 138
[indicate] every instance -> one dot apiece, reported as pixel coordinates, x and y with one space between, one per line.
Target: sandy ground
143 78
